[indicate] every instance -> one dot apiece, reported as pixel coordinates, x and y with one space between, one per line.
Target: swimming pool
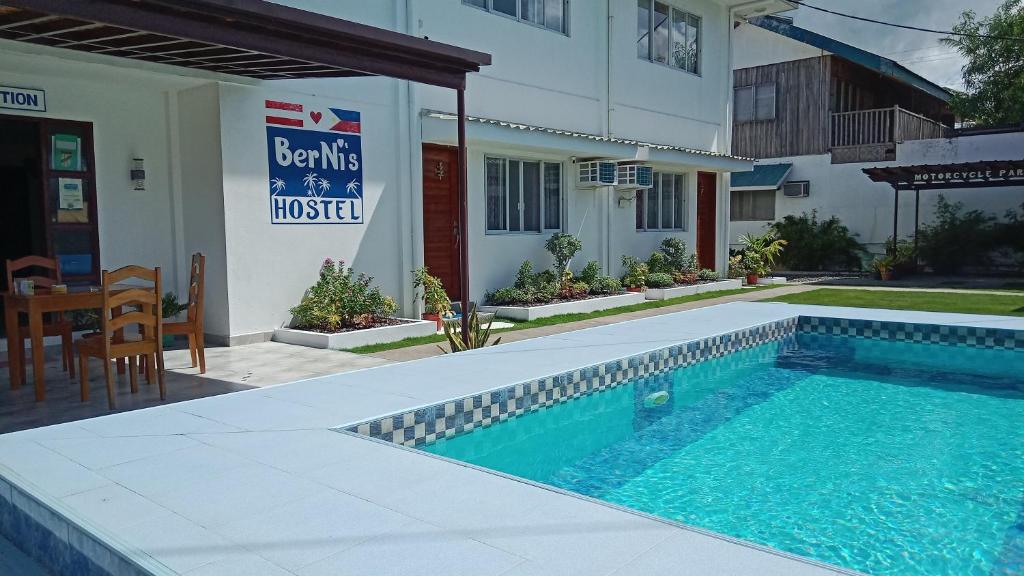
866 449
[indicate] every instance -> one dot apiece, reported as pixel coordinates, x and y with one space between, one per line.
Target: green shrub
636 272
707 275
525 278
658 263
955 238
659 280
562 247
341 299
1008 237
818 245
605 285
435 299
510 296
674 250
590 272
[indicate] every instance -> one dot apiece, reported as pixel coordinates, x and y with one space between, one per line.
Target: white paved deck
254 482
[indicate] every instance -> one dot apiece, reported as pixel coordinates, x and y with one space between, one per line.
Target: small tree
562 247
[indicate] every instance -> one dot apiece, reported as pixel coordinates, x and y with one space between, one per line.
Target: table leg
15 346
35 327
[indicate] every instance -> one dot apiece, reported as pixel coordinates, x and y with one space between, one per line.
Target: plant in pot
171 307
759 253
753 267
635 278
436 305
884 265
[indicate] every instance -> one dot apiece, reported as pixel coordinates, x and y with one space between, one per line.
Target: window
747 205
667 35
754 103
550 14
523 195
662 207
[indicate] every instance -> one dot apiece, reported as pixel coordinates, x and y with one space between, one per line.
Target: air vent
597 173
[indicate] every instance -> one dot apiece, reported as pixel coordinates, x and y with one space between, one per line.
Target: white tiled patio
254 482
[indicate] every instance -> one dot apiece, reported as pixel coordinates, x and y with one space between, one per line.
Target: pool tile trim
428 424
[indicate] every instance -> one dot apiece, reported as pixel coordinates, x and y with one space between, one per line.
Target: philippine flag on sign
348 121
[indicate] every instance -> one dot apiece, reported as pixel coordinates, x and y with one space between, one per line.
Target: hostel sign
316 164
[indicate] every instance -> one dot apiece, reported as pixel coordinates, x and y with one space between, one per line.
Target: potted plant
171 307
635 278
884 266
759 253
753 267
436 305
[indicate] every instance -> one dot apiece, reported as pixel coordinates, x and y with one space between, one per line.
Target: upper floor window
667 35
550 14
663 206
523 195
751 103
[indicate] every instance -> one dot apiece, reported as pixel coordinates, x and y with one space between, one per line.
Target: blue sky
918 51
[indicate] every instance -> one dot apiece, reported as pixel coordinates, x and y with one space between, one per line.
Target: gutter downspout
608 205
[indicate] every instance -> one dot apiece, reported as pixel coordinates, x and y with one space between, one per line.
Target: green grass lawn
998 304
560 319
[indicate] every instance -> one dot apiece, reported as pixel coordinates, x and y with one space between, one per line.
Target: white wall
754 46
866 207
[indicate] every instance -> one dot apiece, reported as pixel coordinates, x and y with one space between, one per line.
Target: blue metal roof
762 177
864 58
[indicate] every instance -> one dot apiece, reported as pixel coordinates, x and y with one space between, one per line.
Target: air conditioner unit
635 176
799 189
596 173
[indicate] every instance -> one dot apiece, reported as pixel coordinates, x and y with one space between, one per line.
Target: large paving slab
255 482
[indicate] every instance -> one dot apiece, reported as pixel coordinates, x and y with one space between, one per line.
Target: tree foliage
994 72
814 244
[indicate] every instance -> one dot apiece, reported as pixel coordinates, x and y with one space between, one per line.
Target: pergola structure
987 174
254 39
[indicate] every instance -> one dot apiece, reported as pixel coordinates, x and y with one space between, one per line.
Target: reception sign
316 164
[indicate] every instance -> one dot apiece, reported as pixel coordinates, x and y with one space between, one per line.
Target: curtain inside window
679 202
531 196
666 201
640 195
514 201
496 201
552 196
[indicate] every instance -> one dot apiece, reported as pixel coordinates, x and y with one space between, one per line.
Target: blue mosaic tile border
970 336
55 542
428 424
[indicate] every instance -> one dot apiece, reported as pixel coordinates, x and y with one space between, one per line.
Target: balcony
872 135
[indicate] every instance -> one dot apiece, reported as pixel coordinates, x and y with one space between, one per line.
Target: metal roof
762 177
254 38
856 55
584 135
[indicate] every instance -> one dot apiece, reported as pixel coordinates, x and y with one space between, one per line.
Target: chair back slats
132 296
130 318
26 262
197 271
139 272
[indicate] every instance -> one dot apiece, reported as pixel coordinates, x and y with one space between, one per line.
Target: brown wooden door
707 195
441 216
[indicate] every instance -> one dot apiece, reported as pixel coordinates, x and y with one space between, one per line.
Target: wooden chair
145 313
193 324
57 326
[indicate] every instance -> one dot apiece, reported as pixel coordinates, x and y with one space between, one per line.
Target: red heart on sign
316 116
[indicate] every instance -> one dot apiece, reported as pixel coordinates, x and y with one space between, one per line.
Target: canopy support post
463 214
895 218
917 222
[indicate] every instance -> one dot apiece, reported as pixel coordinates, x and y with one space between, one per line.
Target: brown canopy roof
254 38
989 173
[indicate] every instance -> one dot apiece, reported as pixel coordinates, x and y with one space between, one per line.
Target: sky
918 51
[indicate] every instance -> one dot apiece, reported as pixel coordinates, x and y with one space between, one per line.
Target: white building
815 112
569 80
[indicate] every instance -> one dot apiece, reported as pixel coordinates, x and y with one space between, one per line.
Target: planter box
730 284
527 313
772 280
356 338
676 292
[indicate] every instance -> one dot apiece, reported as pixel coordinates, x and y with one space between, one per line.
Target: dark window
663 206
752 205
523 195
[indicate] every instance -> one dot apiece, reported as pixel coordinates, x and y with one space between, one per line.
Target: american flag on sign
348 121
284 113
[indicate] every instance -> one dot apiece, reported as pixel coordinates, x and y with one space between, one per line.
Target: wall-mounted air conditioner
594 173
796 189
635 176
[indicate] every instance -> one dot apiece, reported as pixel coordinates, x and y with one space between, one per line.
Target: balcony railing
881 126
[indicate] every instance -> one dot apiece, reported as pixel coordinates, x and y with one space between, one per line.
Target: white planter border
772 280
676 292
356 338
528 313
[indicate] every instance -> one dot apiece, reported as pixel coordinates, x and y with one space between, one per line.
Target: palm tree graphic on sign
310 181
277 185
353 188
324 186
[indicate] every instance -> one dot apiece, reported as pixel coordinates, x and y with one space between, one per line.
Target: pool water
883 457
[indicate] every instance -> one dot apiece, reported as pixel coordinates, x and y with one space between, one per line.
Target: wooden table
34 306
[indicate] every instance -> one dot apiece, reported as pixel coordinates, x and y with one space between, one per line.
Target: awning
762 177
986 174
256 39
437 127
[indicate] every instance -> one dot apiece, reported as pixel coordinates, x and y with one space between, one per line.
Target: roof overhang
255 39
762 177
752 8
986 174
439 127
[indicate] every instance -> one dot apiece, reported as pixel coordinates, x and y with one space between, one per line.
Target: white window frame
699 69
733 203
755 89
489 7
509 214
647 193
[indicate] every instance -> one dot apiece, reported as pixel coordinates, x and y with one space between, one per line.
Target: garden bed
402 329
691 289
585 305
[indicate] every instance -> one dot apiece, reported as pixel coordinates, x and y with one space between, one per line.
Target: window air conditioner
800 189
635 176
596 173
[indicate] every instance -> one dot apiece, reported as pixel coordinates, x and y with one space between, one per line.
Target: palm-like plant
478 336
766 247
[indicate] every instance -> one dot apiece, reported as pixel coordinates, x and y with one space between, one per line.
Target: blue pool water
884 457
